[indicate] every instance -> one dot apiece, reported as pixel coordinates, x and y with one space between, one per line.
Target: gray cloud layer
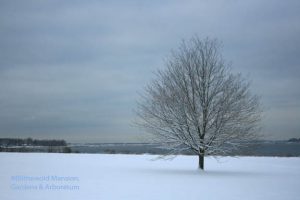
72 69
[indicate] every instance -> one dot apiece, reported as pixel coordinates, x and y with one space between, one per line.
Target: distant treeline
294 140
6 142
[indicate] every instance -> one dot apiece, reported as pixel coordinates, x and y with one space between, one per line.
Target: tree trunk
201 161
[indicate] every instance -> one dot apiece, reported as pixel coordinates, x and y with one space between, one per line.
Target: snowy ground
35 176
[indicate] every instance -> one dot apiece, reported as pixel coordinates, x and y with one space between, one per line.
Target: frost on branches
197 104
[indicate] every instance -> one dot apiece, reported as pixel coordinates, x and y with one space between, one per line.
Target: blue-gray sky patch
72 69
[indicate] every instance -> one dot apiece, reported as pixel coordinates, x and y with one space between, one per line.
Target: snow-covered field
36 176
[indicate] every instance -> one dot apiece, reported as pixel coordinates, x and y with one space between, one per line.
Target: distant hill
30 142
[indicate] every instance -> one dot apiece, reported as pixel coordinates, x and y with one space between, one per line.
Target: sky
73 69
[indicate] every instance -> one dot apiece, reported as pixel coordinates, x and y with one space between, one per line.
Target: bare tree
197 104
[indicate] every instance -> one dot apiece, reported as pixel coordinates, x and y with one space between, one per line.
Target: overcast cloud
72 69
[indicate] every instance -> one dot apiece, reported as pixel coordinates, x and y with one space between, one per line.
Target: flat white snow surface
104 177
